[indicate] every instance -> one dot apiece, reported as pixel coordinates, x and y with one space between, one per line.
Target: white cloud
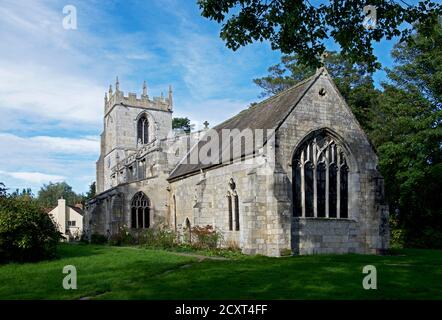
41 92
31 161
52 80
34 177
48 145
212 110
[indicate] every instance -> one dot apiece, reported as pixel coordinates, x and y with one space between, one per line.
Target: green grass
131 273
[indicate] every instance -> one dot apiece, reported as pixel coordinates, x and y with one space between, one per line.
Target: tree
408 135
3 190
27 233
301 28
50 193
354 82
25 194
181 123
92 191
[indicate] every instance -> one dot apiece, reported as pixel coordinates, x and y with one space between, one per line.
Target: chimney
61 215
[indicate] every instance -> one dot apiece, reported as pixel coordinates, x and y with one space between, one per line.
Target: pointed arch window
233 206
229 206
236 201
140 211
320 179
143 130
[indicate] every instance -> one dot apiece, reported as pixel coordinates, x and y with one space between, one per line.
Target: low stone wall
321 235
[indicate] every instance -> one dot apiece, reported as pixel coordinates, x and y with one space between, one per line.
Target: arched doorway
140 211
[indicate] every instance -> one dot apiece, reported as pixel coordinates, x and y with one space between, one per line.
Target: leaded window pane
332 191
308 185
344 192
297 196
320 189
236 213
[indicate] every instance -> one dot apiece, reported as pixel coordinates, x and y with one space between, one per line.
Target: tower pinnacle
144 89
170 96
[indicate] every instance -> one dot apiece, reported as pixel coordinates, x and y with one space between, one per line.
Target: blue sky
52 80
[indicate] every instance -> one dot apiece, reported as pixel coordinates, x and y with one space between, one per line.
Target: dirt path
200 257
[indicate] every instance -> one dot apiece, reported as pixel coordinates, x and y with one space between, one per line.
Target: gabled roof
268 114
78 210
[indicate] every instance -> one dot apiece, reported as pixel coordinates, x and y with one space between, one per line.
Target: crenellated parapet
117 97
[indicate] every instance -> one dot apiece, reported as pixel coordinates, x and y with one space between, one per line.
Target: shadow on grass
77 250
312 277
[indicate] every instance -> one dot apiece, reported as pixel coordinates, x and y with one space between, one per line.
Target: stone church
295 173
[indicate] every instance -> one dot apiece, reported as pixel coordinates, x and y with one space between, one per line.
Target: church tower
130 123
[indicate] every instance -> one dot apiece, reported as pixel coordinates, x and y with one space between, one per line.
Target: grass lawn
131 273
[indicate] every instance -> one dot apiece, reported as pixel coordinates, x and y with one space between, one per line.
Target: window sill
325 219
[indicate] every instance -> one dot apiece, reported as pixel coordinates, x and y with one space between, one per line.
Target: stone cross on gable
206 125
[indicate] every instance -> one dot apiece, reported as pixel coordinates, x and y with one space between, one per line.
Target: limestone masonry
306 182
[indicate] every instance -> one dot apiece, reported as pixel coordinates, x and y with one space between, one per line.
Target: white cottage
69 220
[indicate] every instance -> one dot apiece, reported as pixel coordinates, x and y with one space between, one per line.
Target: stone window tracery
320 179
233 206
143 130
140 211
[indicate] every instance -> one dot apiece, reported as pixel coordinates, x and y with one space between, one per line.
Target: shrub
159 237
98 239
27 233
84 238
397 234
427 238
123 238
205 237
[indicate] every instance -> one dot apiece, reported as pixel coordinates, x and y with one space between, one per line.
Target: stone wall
316 112
202 198
319 235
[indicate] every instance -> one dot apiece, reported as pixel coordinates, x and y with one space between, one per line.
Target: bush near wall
98 239
159 237
205 237
27 233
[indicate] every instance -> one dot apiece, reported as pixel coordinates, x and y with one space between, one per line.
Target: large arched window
320 179
143 130
140 211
